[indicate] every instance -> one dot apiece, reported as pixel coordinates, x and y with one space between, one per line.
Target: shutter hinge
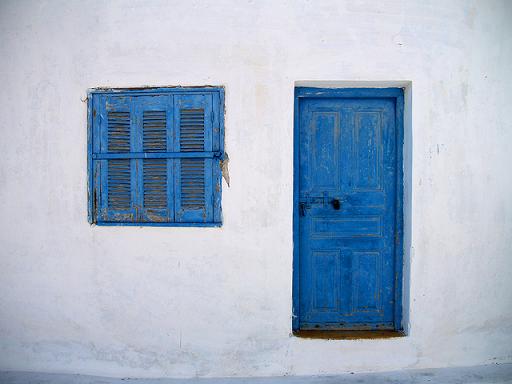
213 116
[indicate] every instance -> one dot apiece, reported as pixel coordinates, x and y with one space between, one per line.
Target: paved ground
501 373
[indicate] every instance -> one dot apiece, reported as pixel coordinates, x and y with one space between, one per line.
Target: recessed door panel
324 150
367 147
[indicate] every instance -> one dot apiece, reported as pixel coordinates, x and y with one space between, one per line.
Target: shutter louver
155 131
192 130
192 183
155 183
119 184
118 131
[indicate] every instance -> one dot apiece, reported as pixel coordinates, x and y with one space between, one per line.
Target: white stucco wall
217 301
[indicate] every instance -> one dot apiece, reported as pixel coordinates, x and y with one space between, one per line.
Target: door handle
336 204
302 209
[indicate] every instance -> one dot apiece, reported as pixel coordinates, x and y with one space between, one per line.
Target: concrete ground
498 373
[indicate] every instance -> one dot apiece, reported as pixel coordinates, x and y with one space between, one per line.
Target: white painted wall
216 302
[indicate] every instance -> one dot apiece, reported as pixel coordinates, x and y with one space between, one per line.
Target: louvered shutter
155 158
156 176
193 169
134 184
117 175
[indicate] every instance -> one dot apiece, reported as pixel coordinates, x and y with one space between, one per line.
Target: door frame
392 93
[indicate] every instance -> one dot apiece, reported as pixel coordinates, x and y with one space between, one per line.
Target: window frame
218 92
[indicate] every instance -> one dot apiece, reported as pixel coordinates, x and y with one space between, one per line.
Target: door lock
336 204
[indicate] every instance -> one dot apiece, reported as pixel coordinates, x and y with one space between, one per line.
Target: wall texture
217 301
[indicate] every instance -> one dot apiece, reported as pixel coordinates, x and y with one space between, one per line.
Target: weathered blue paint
154 156
155 90
348 187
160 155
156 224
218 145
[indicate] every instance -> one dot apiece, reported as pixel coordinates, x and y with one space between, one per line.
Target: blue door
347 217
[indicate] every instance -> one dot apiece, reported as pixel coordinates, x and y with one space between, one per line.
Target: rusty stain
155 217
347 334
121 216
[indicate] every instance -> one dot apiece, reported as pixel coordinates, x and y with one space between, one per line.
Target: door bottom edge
347 334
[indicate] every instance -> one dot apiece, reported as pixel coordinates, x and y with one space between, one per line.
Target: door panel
347 155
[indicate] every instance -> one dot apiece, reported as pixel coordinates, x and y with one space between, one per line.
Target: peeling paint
224 168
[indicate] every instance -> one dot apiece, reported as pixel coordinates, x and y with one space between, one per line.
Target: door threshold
347 334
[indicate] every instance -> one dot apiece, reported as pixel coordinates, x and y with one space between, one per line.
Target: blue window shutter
154 157
117 192
193 175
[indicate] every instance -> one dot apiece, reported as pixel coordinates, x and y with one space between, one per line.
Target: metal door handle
302 209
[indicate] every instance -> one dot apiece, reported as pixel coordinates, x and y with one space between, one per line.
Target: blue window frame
154 156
